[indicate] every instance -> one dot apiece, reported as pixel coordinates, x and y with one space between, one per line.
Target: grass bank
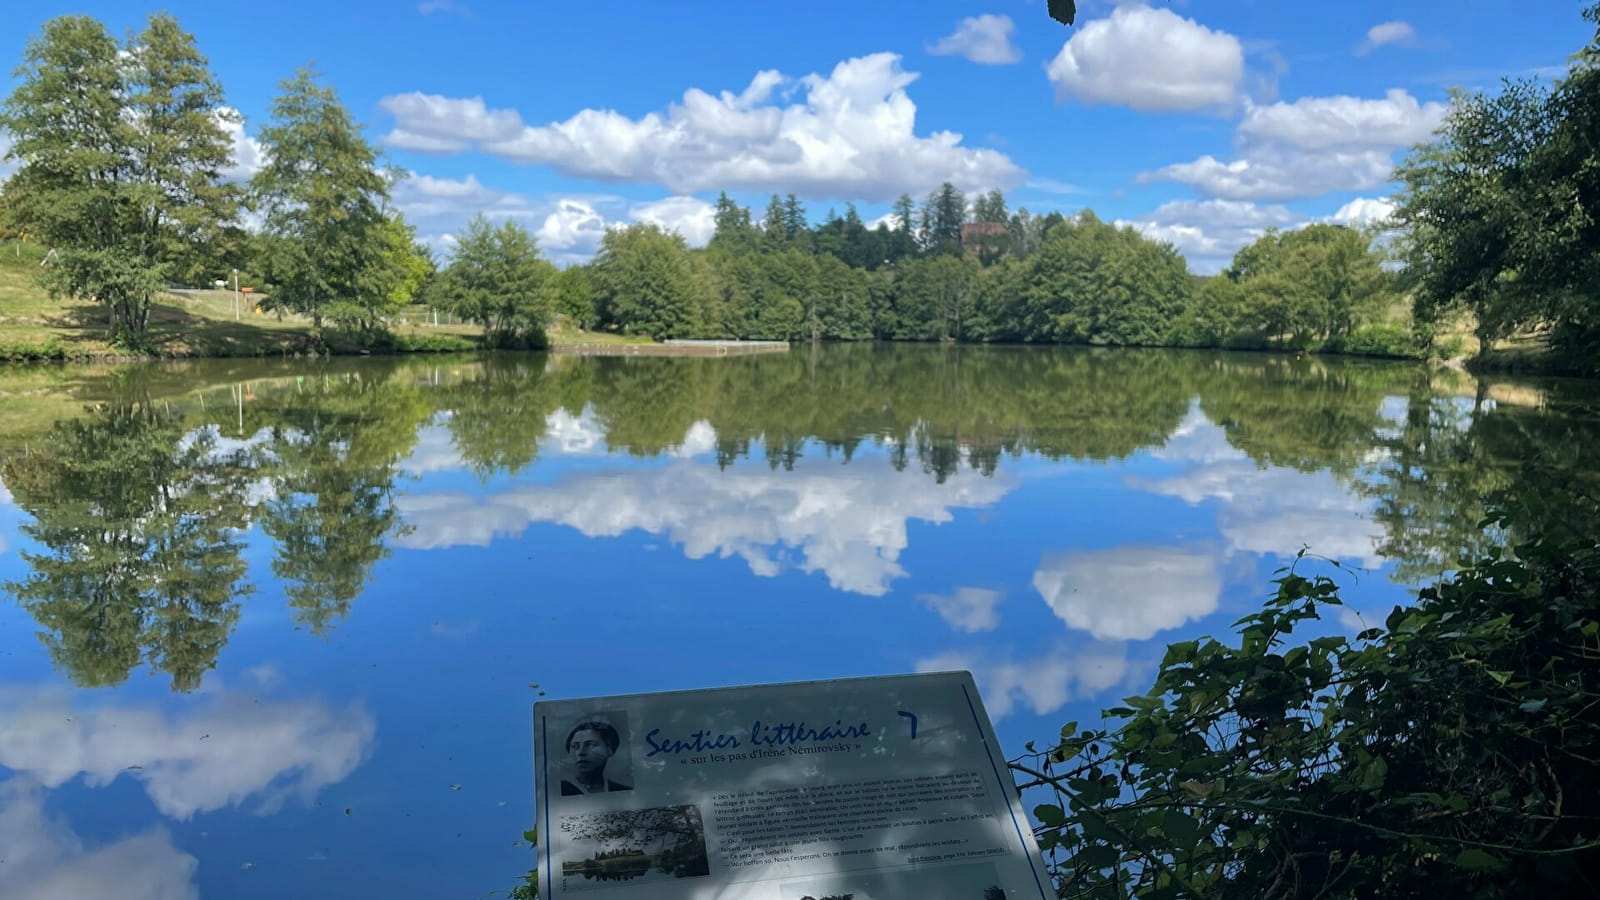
35 327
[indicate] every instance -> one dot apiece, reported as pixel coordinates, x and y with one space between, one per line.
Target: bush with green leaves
1452 752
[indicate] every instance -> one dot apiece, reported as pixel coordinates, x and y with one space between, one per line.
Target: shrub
1382 339
1448 753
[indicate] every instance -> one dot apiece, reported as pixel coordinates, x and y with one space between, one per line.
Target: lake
274 628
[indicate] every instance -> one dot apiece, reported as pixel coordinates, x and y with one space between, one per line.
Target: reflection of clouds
700 439
434 451
228 750
1196 440
1266 510
967 609
1042 685
585 435
41 858
1130 593
572 435
564 435
847 522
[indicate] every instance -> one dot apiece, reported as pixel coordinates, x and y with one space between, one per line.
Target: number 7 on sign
913 719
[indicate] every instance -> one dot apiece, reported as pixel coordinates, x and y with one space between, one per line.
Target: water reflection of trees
138 518
139 507
331 453
139 504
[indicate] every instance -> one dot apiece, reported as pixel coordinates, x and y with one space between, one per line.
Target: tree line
1497 233
960 269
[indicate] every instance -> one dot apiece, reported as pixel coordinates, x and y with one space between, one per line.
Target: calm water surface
274 629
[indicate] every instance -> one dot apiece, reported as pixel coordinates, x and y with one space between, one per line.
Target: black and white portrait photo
594 755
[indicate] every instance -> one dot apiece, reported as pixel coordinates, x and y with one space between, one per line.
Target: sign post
890 788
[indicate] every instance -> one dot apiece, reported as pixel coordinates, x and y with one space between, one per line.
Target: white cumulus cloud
568 228
227 750
1272 174
1130 593
430 199
1364 211
1344 122
982 39
850 524
1398 33
449 124
966 608
1309 147
1151 60
6 166
853 135
1041 685
247 156
572 231
691 217
42 858
1209 232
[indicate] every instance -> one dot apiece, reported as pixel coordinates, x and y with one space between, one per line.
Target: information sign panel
890 788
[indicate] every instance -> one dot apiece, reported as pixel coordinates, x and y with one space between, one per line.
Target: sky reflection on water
379 746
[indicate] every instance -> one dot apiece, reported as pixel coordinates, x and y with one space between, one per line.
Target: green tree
734 231
1311 284
1463 208
324 200
774 230
797 232
120 152
991 208
498 280
942 214
1561 239
643 284
404 266
990 211
903 238
1094 283
574 296
181 148
1024 233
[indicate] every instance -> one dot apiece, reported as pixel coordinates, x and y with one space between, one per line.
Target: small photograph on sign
977 881
597 760
642 846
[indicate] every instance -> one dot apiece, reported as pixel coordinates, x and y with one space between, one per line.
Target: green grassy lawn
34 325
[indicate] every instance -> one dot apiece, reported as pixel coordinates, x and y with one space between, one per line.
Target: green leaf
1097 856
1533 706
1475 860
1050 815
1143 703
1180 827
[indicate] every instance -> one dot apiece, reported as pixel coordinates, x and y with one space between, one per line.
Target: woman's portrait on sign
596 758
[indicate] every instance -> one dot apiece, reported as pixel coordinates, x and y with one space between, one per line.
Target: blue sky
1199 122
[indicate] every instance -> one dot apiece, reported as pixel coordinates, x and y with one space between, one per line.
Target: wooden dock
675 348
